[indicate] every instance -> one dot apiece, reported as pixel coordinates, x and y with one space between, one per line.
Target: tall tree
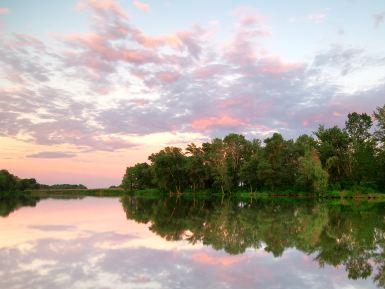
197 170
249 171
215 157
8 182
138 177
361 147
332 147
379 116
279 158
170 169
311 176
237 150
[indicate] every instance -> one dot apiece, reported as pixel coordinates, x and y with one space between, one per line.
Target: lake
133 242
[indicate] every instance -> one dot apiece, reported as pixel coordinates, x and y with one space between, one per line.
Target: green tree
237 151
215 157
138 177
379 116
361 147
280 160
311 176
332 147
197 171
28 184
304 144
249 172
170 170
8 182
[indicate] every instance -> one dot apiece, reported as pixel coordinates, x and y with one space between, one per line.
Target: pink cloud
95 64
92 41
141 6
337 114
243 50
190 41
234 86
137 56
155 42
102 6
222 121
228 103
28 40
251 20
305 123
274 65
168 77
100 49
139 101
205 258
4 11
210 70
139 73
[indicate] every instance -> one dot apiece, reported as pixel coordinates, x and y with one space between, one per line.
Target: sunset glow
89 87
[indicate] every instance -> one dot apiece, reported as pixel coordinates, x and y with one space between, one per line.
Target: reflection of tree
348 235
8 205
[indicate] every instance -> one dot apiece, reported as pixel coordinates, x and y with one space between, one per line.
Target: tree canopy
10 184
331 158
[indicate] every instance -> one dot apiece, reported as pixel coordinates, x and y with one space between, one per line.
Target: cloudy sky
88 87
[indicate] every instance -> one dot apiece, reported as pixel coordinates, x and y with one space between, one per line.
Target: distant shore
116 192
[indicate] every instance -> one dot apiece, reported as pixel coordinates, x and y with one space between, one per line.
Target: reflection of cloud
55 263
52 155
53 227
94 251
202 257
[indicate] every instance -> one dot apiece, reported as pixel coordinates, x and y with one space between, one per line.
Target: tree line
10 184
331 159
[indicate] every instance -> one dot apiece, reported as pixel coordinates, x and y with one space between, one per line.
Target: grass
79 192
155 193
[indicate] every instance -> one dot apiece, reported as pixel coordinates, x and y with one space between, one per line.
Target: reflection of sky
89 244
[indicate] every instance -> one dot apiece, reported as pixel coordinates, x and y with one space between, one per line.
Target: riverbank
78 192
242 194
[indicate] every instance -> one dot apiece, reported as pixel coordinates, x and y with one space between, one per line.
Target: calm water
187 243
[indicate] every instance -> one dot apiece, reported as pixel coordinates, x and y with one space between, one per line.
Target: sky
90 87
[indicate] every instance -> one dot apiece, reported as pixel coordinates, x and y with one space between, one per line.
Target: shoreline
335 195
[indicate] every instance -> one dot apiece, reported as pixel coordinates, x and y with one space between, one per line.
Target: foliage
349 158
332 147
10 184
137 177
311 176
169 167
62 187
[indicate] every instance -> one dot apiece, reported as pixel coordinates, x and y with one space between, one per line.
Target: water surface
190 243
